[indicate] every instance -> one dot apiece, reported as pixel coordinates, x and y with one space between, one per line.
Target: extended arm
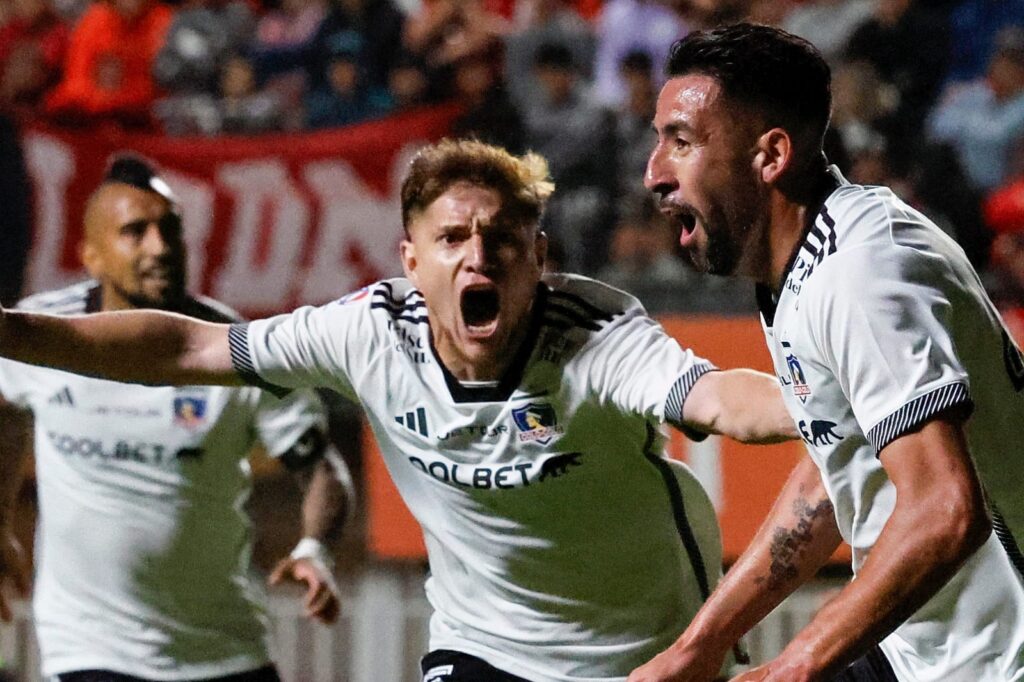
739 403
796 539
15 430
138 346
939 521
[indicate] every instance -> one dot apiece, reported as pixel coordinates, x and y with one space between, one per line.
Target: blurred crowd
929 99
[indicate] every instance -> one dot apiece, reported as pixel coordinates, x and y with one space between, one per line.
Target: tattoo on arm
789 543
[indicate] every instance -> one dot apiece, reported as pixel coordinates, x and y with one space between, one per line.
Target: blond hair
523 182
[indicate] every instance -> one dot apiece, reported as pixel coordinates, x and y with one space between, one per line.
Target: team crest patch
537 423
355 296
796 373
189 411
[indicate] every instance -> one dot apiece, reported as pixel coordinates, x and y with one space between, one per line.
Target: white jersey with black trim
562 545
142 545
881 325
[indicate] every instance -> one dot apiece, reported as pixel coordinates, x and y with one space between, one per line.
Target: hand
321 600
779 670
685 665
14 570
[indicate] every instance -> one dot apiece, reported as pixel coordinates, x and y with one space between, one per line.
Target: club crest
796 373
189 411
536 422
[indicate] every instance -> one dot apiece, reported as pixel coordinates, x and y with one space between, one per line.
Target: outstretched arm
796 539
939 521
739 403
137 346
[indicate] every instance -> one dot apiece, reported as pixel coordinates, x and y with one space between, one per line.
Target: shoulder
586 302
71 300
210 310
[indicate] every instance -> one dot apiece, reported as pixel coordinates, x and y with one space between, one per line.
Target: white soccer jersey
143 548
561 545
880 325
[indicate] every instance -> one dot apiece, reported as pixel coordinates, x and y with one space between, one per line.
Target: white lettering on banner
261 189
51 163
195 201
359 231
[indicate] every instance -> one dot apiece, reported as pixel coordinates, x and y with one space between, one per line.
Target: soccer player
142 561
517 414
893 362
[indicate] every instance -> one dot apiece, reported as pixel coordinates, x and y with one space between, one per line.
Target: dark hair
636 60
133 170
554 56
522 181
780 75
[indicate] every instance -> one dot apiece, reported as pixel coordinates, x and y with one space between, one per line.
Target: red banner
270 222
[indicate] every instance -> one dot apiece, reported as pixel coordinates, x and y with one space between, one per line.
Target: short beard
172 300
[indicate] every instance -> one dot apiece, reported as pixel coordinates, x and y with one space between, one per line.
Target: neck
788 220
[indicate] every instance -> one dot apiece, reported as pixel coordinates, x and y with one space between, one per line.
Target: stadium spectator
633 124
983 119
33 42
408 84
344 98
142 561
489 114
890 40
202 37
1004 214
576 134
108 68
517 413
544 22
626 26
876 324
828 23
975 25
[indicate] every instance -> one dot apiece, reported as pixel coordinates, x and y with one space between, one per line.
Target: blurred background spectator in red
33 40
108 71
1004 213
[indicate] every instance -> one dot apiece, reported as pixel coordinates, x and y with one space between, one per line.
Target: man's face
702 170
134 248
478 271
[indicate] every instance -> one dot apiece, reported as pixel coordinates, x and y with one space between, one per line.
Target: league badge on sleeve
189 411
537 423
356 295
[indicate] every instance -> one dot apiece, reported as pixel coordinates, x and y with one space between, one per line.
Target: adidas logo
62 397
415 421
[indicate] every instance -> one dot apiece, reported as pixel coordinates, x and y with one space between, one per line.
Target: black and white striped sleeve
954 398
677 397
241 360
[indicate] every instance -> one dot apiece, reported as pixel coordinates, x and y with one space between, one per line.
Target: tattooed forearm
789 543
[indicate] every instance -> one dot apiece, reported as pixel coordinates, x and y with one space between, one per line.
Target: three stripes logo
415 421
62 397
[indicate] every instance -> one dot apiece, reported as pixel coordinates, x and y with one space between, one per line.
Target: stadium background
284 126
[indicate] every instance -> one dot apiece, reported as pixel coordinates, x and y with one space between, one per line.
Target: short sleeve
882 319
641 369
282 422
15 382
327 346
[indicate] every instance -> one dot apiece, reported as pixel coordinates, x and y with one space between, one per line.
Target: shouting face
703 172
478 270
134 248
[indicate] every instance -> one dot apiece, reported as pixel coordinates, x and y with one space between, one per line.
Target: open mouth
480 308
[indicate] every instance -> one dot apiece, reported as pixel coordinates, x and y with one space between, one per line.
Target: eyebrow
674 127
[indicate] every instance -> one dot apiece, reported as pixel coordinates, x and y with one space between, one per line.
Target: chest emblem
536 422
189 411
796 374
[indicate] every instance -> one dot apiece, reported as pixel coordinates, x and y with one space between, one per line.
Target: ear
91 259
774 155
540 249
408 252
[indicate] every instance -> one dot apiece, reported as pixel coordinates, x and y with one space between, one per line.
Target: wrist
312 549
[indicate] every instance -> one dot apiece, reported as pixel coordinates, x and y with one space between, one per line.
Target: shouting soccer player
142 556
518 416
893 362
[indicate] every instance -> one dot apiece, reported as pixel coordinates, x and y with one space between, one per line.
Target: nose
659 177
477 257
153 241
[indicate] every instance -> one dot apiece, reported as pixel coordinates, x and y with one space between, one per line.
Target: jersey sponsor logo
62 397
475 431
409 342
822 432
189 411
537 423
415 421
503 477
354 296
118 450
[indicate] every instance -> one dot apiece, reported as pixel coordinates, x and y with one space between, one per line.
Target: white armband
314 550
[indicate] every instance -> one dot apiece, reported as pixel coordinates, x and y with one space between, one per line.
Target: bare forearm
15 436
796 539
328 501
742 404
146 347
